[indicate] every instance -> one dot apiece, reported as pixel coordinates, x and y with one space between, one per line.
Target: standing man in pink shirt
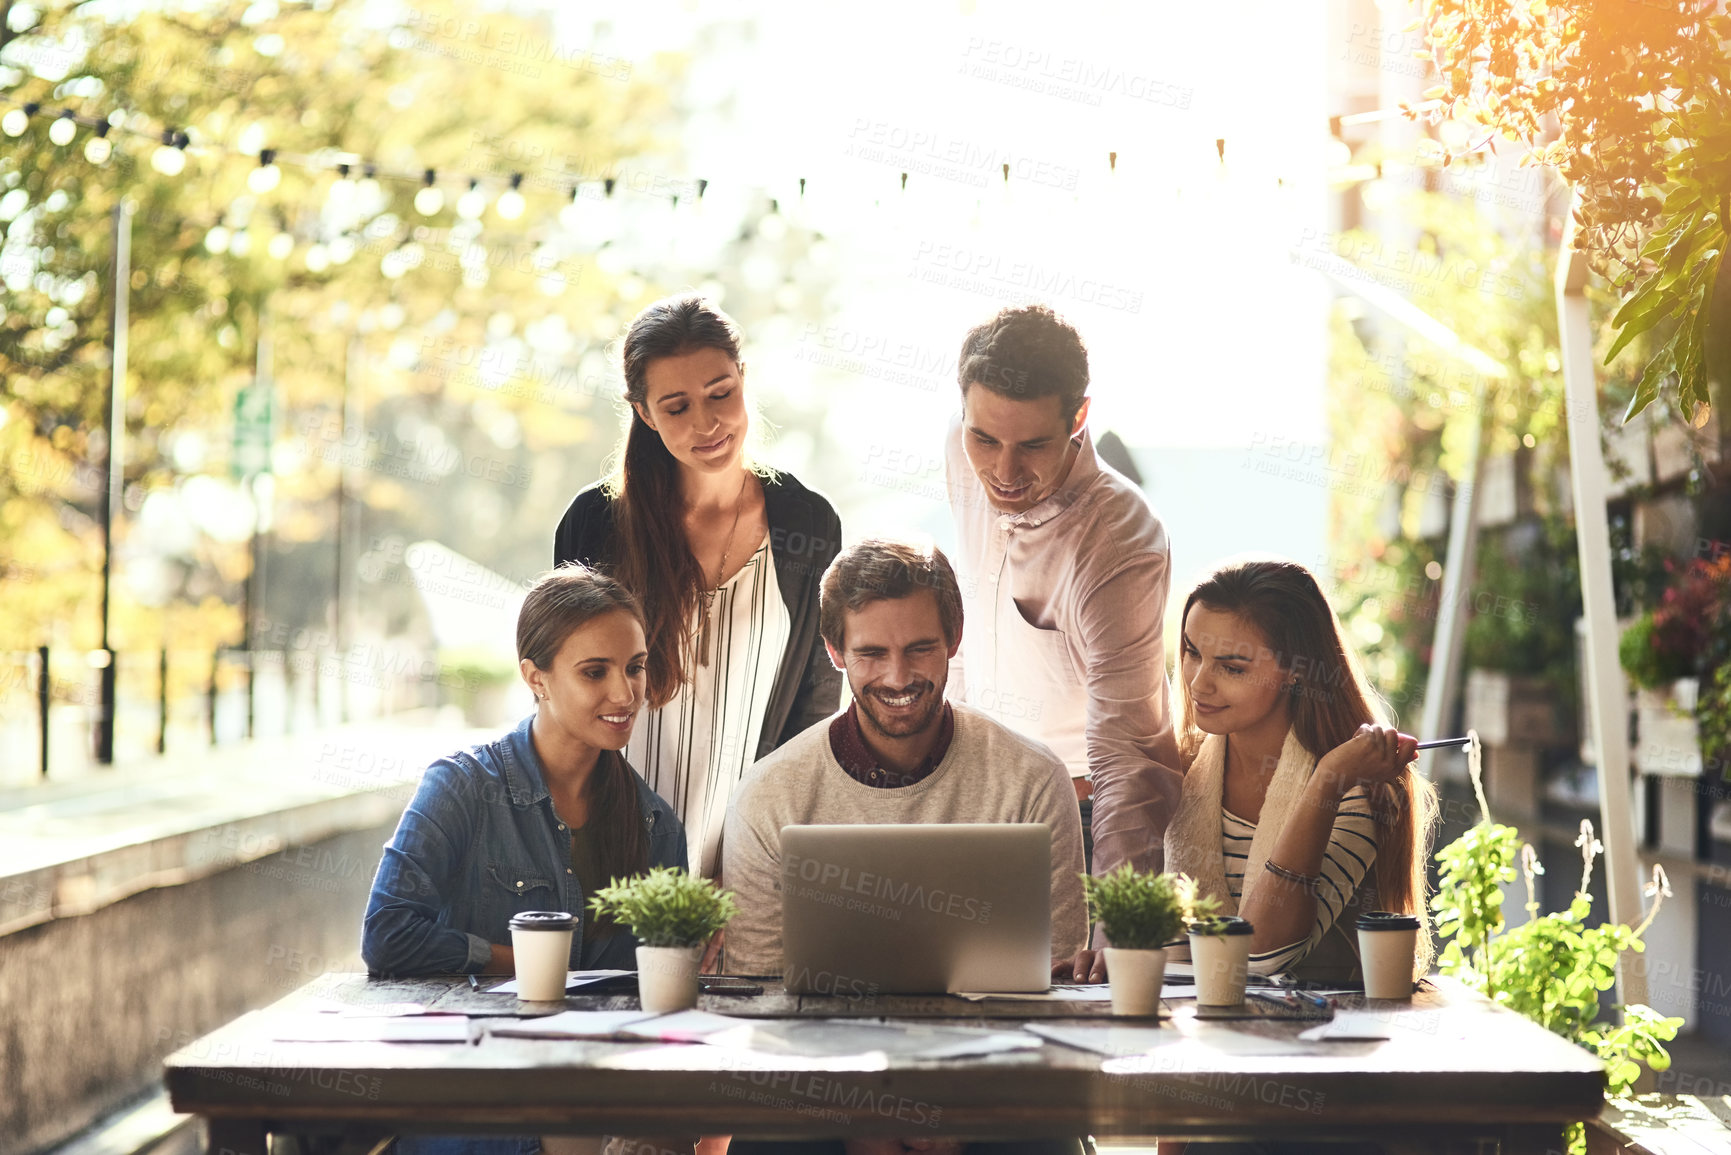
1066 570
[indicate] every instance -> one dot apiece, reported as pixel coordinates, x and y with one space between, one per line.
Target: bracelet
1280 871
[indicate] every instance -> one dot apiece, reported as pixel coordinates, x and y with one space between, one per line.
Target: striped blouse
696 748
1351 849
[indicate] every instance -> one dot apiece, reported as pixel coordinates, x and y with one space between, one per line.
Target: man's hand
1089 966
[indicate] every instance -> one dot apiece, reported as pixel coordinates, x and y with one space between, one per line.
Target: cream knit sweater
989 774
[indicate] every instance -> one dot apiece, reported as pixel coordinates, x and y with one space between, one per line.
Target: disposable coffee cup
541 944
1220 958
1386 945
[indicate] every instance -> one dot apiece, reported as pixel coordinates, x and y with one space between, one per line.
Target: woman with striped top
1300 811
726 557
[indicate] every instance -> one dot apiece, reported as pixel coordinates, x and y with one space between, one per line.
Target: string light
98 148
430 199
571 216
510 205
63 129
473 203
18 119
169 159
280 247
267 175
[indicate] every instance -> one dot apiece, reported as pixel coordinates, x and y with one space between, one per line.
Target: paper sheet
834 1038
574 980
572 1025
1124 1042
1060 993
408 1029
682 1027
1350 1026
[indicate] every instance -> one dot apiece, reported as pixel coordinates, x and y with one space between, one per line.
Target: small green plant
666 907
1552 967
1210 924
1142 910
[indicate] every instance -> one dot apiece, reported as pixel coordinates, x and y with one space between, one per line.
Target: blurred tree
331 265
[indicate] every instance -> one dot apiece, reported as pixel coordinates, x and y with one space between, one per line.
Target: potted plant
1140 912
1676 654
1220 956
673 914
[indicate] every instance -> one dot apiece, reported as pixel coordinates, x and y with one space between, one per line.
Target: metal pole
162 702
352 362
1448 643
112 492
1607 694
43 697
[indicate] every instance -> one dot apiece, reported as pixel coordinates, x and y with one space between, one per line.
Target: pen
1437 743
474 983
1313 1000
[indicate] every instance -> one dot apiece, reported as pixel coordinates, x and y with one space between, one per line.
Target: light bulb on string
216 240
63 129
280 247
341 197
367 192
97 149
510 205
429 199
318 258
18 119
169 159
473 203
571 216
267 175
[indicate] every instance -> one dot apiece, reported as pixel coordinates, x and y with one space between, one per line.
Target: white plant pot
1222 965
1135 977
667 977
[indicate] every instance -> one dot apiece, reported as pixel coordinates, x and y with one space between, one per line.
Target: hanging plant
1641 98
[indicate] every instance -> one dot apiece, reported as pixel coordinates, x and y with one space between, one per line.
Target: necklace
708 595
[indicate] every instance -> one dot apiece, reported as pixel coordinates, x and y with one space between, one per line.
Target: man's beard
907 727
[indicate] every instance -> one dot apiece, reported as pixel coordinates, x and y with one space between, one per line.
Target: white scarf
1193 841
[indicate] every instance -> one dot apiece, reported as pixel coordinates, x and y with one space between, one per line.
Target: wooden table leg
235 1137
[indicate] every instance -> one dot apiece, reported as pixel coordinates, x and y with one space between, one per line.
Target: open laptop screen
916 909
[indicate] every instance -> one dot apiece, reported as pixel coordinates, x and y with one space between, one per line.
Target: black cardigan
804 537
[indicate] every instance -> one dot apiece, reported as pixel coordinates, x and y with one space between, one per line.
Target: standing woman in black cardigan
726 556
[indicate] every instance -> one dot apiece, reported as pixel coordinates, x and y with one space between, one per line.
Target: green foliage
1142 910
1644 662
1713 720
1526 598
1553 967
1469 897
666 907
1641 98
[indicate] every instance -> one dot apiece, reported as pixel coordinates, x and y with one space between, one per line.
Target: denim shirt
480 842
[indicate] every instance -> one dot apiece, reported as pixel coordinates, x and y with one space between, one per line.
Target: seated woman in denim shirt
539 817
536 819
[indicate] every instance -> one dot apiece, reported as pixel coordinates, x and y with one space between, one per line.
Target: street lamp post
112 492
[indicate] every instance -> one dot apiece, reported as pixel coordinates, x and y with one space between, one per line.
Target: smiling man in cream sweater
892 619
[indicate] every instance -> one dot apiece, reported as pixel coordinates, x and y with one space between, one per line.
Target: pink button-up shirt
1062 639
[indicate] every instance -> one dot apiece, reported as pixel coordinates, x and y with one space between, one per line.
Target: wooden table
1458 1074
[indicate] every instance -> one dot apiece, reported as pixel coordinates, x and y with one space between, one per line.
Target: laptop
916 909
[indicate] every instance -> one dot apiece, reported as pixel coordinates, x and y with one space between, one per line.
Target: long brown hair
557 606
654 558
1329 702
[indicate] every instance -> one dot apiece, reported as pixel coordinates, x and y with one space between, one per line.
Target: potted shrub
673 914
1140 912
1677 654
